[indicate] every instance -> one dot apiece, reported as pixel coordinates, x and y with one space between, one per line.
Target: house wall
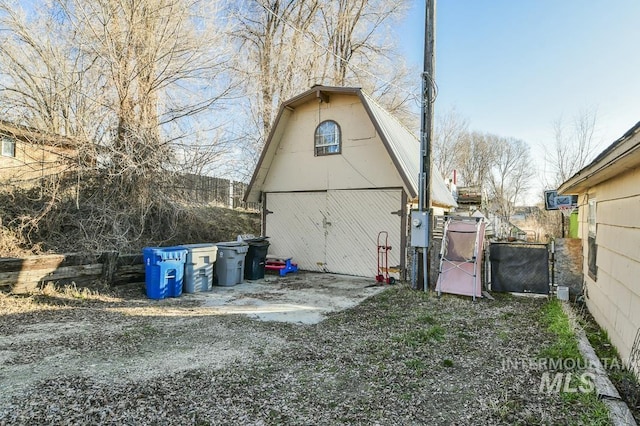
613 298
364 162
33 161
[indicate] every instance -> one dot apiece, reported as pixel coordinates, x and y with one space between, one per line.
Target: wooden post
109 266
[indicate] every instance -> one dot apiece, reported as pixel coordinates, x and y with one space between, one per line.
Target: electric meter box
419 229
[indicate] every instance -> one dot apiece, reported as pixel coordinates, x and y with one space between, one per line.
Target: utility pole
428 99
426 129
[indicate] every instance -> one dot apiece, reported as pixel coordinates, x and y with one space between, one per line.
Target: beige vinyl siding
614 297
363 163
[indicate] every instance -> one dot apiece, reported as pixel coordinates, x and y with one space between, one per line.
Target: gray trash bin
230 263
198 268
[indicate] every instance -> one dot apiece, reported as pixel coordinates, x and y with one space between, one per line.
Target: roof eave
35 136
254 189
621 155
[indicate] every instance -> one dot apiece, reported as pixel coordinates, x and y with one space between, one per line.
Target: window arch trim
327 138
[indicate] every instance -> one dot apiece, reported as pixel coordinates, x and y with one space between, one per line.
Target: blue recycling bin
164 271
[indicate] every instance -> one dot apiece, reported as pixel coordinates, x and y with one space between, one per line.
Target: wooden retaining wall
23 275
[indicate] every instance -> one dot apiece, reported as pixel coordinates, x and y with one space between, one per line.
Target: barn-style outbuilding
336 170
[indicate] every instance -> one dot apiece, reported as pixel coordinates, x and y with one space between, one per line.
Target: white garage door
295 225
335 231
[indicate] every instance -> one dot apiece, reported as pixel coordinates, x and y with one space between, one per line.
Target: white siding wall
614 297
297 226
335 231
357 218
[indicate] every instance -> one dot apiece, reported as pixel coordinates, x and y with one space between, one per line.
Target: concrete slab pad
303 297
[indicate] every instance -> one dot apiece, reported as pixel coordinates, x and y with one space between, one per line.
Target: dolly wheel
379 278
391 280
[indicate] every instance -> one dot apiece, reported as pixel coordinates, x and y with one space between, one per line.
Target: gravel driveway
399 357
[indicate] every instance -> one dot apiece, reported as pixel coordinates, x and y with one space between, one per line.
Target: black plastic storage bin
255 258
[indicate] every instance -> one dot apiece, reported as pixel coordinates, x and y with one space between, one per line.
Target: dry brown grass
40 220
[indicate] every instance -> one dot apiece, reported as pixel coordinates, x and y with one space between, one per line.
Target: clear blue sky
512 67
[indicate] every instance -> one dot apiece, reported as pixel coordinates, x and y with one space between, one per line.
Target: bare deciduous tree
161 61
287 46
353 33
510 175
361 51
574 145
129 78
46 83
272 48
476 157
451 131
109 70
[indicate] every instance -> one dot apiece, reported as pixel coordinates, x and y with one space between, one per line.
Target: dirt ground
303 349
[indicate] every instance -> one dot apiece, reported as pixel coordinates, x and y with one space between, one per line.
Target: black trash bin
255 258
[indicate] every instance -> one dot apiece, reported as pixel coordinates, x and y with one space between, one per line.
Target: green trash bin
256 257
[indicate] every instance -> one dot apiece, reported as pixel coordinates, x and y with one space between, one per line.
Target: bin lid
198 248
251 238
228 246
165 253
258 241
231 244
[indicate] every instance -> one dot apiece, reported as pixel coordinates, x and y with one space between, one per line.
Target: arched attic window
328 138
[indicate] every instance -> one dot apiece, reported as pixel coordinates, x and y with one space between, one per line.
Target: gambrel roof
402 146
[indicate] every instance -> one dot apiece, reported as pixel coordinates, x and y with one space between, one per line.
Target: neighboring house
28 154
336 170
469 196
608 192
